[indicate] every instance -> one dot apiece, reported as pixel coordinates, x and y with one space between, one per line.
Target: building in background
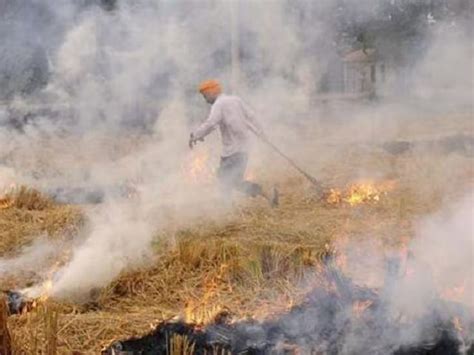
362 71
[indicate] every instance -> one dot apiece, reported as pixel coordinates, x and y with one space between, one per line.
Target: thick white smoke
445 244
120 237
437 267
138 66
33 257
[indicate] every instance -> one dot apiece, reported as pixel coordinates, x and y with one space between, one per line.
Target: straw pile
27 214
254 263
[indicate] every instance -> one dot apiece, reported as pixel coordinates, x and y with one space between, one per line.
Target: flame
250 175
359 307
458 324
334 196
196 168
204 310
362 192
201 314
7 200
47 287
41 293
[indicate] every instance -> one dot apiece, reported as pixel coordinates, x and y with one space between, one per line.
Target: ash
323 324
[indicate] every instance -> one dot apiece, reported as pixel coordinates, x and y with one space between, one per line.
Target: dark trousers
231 175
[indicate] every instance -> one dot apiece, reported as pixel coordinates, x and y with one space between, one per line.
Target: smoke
446 244
121 98
405 311
120 237
32 257
436 78
439 259
431 284
7 178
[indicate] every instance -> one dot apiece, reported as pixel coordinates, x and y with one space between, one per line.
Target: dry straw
254 263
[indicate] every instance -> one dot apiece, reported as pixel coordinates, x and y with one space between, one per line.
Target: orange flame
42 292
362 192
7 200
334 196
197 168
458 324
203 311
359 307
250 175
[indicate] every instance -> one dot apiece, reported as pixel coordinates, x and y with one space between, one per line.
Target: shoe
275 200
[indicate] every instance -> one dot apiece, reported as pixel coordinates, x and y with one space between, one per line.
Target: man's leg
231 172
247 187
224 176
252 189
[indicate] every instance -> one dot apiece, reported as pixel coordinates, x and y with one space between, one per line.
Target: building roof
361 55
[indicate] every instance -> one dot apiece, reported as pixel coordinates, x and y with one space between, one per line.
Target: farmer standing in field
235 120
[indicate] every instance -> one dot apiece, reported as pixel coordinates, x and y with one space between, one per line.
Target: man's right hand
193 141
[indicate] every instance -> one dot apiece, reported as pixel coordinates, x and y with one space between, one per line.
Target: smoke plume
120 91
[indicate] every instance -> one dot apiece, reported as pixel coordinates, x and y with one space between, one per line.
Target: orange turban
210 86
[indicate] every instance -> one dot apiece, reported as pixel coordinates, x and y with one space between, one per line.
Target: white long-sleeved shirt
234 118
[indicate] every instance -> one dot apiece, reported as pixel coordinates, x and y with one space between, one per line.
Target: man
235 121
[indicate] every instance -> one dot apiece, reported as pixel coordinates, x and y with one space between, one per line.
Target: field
253 261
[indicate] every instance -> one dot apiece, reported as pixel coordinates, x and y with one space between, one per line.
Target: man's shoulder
228 98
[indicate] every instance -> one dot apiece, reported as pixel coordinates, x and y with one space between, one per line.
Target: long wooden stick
264 139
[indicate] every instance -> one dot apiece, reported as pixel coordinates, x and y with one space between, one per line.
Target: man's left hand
192 141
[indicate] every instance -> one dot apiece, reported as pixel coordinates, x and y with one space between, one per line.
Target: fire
250 175
42 292
334 196
7 200
359 307
47 287
362 192
458 324
31 298
201 314
39 294
204 310
196 168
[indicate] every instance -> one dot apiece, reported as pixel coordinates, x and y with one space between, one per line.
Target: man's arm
215 116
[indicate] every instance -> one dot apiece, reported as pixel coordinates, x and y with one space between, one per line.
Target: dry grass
29 215
253 263
5 339
179 344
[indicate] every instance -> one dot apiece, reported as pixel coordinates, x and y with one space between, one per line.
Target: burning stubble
136 69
